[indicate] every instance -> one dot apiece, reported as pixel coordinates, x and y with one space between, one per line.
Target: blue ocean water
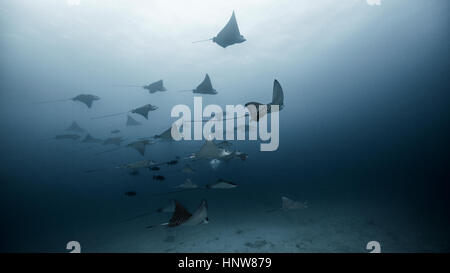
363 134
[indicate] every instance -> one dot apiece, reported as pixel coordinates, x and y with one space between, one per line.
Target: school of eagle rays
214 153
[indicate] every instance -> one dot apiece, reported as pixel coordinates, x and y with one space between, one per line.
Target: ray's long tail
155 226
127 85
139 216
110 115
200 41
50 101
223 118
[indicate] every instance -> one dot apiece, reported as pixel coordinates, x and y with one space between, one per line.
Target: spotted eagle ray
153 87
205 87
220 184
143 111
87 99
74 127
138 145
182 217
209 150
229 35
256 110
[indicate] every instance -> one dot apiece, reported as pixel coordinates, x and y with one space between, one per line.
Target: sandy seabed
335 228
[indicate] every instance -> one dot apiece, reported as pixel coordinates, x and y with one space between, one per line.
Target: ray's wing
286 203
200 215
138 146
88 102
167 134
75 127
84 100
205 85
255 111
180 215
277 95
209 150
143 111
156 86
231 30
132 122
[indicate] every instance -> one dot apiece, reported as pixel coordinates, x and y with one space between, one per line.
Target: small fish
115 131
159 177
172 162
130 193
229 35
155 168
222 184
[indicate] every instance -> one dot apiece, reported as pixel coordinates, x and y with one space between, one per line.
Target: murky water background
363 135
